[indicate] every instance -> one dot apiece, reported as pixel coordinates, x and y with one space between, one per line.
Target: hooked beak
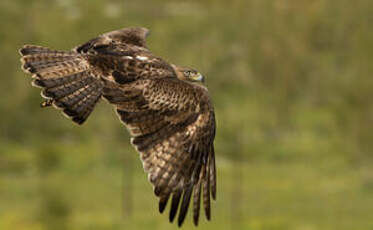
198 77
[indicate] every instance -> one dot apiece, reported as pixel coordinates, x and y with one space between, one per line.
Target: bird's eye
188 73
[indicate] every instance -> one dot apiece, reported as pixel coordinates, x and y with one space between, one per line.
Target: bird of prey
166 109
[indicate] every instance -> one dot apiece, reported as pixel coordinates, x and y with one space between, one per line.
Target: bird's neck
178 73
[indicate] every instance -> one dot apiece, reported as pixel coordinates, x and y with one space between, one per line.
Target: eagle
166 109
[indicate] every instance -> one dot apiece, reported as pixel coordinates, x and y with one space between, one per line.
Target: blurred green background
292 86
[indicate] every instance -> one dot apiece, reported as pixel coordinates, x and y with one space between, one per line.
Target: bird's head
189 74
193 75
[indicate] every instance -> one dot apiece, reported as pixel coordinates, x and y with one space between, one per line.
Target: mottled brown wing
122 40
172 126
122 56
73 80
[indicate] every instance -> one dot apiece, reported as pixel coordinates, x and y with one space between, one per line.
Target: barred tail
66 79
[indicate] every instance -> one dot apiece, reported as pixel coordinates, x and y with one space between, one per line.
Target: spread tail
66 79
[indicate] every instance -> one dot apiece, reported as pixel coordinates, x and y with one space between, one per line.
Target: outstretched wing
117 40
172 126
122 56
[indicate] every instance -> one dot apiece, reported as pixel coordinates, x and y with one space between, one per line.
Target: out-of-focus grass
292 87
273 195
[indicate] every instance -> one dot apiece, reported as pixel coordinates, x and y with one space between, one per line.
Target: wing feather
185 204
197 200
175 204
206 192
173 129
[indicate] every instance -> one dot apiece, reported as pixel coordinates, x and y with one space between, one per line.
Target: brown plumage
165 108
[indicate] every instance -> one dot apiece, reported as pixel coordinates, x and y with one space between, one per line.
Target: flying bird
166 109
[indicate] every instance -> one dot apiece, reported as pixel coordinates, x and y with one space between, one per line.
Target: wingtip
213 195
161 208
172 216
208 213
180 223
181 219
163 203
174 205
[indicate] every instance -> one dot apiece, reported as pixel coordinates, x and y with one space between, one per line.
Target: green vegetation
292 86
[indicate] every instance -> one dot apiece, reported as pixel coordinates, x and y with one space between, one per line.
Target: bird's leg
46 103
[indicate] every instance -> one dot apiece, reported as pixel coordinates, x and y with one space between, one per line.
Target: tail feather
83 108
70 100
53 82
66 79
55 69
69 88
34 49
